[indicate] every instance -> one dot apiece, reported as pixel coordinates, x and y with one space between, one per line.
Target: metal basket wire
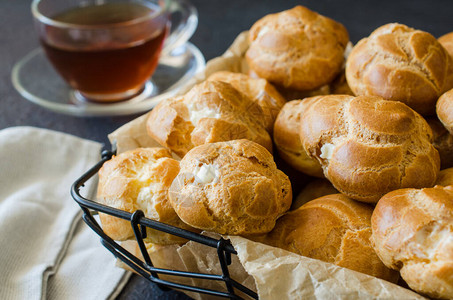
139 223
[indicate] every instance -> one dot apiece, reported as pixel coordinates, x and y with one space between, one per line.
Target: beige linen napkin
47 252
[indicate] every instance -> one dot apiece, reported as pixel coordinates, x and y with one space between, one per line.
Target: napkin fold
47 251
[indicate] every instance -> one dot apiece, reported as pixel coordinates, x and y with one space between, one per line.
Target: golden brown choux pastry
447 42
444 109
368 146
287 140
333 229
399 63
211 111
258 90
139 179
230 187
297 48
413 233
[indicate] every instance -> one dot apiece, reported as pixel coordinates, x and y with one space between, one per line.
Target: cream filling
196 115
346 53
263 31
146 200
430 241
145 174
347 50
206 173
327 151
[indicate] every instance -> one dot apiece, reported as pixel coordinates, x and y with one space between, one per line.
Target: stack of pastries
371 127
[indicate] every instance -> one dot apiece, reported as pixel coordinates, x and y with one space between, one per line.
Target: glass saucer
37 81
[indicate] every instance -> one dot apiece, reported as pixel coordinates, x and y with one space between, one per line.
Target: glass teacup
107 50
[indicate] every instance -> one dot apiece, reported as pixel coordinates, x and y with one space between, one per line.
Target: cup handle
185 28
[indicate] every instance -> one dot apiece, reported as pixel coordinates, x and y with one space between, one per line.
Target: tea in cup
107 50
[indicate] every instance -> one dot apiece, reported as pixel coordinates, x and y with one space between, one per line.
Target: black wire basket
145 267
